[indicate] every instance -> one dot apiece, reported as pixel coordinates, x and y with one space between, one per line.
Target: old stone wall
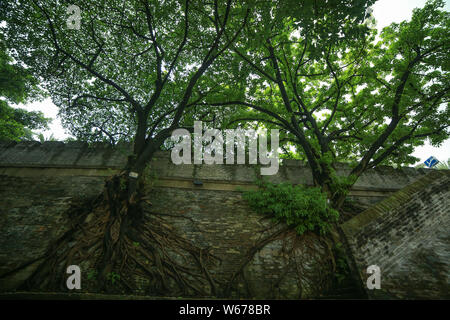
407 235
79 159
38 182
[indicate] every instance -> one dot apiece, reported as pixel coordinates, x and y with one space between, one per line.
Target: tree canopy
17 85
348 96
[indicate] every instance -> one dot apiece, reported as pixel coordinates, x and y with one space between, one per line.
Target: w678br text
234 309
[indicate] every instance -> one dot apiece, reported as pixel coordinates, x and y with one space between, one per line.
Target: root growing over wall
124 247
110 238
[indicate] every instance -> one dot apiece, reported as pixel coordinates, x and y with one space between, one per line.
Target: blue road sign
431 162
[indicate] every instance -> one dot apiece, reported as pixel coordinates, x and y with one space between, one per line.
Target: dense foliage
304 208
348 96
132 68
17 85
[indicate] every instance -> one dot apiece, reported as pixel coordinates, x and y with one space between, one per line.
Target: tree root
123 247
288 236
123 243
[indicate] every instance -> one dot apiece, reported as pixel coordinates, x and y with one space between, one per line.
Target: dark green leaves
305 209
17 85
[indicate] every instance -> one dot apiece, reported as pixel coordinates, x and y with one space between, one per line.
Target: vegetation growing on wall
305 209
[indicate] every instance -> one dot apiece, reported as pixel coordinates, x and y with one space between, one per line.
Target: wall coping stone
80 155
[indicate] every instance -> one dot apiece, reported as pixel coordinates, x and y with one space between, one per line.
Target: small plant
123 184
113 277
304 208
92 275
136 244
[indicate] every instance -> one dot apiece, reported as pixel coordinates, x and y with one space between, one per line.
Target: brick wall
39 181
407 235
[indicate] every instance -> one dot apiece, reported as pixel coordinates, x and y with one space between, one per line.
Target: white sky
385 12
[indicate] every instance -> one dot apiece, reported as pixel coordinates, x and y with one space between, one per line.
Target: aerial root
121 242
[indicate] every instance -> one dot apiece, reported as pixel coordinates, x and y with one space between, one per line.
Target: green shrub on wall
301 207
